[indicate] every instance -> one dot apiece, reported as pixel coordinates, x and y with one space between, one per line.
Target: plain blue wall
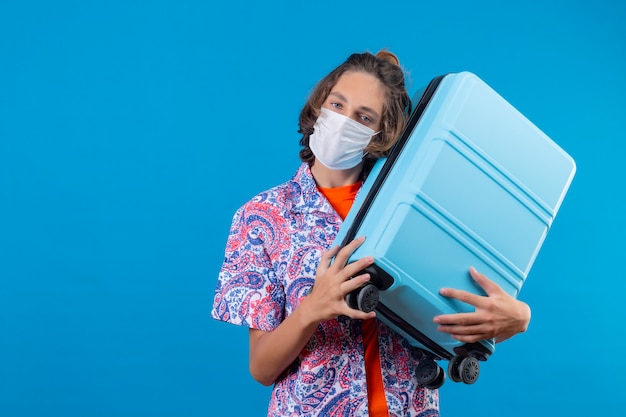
131 131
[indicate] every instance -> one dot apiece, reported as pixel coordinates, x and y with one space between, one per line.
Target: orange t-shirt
341 198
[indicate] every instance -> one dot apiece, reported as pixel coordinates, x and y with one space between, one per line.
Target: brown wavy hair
385 66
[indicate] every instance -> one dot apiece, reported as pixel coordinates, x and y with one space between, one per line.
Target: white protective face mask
338 141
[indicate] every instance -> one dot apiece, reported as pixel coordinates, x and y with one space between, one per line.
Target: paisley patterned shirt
275 244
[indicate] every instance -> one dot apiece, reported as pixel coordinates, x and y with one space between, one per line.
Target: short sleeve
248 292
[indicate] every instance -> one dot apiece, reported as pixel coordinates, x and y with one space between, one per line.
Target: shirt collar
305 196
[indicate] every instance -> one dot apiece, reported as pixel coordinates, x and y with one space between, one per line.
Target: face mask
337 141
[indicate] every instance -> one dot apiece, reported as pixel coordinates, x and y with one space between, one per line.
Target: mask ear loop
365 153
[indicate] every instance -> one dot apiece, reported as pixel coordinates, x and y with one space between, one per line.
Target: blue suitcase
470 182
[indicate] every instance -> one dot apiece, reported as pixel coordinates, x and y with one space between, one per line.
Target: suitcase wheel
464 369
364 298
453 368
429 374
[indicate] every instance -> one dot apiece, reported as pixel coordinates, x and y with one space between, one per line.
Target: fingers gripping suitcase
470 182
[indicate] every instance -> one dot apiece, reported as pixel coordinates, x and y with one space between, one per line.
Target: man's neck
331 178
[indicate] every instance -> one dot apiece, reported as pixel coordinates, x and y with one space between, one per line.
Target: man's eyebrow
372 111
362 108
338 95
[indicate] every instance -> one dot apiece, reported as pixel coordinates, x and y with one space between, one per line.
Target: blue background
131 131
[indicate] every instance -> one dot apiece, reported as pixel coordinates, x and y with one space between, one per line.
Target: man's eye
336 105
366 119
